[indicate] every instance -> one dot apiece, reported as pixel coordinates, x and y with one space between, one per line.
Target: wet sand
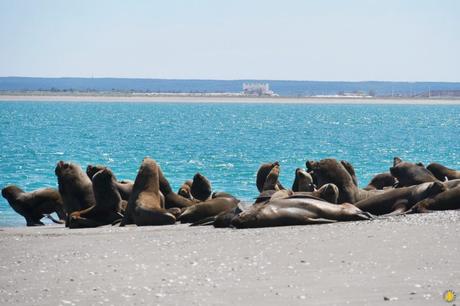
221 99
404 260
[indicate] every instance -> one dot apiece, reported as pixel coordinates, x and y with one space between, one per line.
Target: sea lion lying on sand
442 173
208 208
399 200
35 205
146 206
449 199
409 174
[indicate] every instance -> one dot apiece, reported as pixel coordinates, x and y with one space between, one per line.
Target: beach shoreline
402 260
184 98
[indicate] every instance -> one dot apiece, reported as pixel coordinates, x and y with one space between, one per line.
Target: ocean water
225 142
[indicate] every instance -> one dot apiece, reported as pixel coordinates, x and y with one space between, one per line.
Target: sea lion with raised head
400 200
124 187
409 174
442 172
201 187
35 205
302 181
172 199
381 181
75 187
146 206
109 204
262 174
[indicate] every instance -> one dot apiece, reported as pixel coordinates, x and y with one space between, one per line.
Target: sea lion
409 174
449 199
146 205
331 171
399 200
302 181
380 181
184 190
109 203
262 174
201 187
35 205
207 209
124 187
349 167
172 199
297 211
75 187
442 173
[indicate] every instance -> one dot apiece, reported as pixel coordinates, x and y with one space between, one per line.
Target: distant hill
283 88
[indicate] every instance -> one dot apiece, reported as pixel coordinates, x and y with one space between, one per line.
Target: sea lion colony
326 191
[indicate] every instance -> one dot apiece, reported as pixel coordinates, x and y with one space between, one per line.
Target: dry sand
404 260
222 99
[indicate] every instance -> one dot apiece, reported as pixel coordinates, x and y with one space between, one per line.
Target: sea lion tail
54 220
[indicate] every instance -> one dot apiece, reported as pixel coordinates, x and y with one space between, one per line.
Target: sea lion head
10 192
91 170
329 171
185 189
201 187
66 170
303 181
329 193
262 174
105 174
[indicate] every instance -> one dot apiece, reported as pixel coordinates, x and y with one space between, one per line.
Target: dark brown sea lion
184 190
207 209
441 172
349 167
201 187
172 199
302 181
297 211
262 174
146 206
35 205
449 199
331 171
124 187
75 188
380 181
409 174
399 200
109 204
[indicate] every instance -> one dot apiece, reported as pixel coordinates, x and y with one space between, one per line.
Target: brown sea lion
262 174
184 190
380 181
124 187
146 206
297 211
302 181
331 171
109 204
172 199
409 174
349 167
75 188
201 187
208 208
35 205
442 173
447 200
399 200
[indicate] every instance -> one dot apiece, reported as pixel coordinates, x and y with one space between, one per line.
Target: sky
330 40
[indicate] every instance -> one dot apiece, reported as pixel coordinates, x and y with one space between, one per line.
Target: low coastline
190 98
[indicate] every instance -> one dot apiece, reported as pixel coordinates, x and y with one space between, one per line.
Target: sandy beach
404 260
183 98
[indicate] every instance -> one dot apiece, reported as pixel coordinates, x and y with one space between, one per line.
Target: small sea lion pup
35 205
201 187
409 174
442 173
262 174
75 188
184 190
146 206
108 203
380 181
124 187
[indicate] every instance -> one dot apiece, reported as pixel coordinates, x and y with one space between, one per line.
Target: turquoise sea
225 142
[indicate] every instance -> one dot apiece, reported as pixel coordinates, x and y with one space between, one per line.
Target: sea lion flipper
54 220
319 221
205 221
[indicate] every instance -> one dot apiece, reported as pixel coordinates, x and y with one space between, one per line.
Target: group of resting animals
327 191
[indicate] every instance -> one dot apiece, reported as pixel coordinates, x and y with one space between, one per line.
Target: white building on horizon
257 89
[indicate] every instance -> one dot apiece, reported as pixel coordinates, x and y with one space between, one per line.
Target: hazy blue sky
415 40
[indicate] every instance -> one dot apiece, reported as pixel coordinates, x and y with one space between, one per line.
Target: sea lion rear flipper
205 221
